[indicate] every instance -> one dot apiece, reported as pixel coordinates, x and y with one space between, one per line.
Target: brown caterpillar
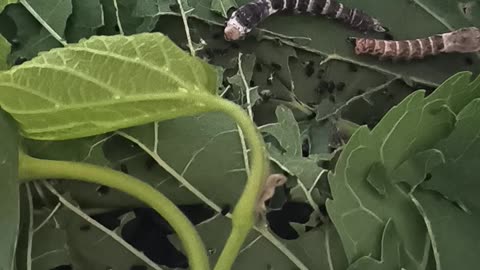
245 18
463 40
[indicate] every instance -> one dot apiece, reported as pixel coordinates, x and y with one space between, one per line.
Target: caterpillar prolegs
463 40
245 18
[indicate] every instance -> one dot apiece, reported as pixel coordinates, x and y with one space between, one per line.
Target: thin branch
117 14
187 29
246 85
355 98
47 219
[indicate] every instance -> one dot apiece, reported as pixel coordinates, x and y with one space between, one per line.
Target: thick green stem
243 217
32 169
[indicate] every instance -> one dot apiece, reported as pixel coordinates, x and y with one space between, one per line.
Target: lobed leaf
364 186
104 84
453 219
9 192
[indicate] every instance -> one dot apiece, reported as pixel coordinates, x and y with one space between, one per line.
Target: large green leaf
365 194
4 52
72 92
9 192
453 219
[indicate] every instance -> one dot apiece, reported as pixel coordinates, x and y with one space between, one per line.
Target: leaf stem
43 22
33 169
243 216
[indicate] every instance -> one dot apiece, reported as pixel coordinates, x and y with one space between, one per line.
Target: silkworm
245 18
463 40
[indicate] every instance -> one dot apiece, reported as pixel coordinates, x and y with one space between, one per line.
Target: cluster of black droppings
279 220
123 168
320 73
15 43
468 61
85 228
276 67
150 163
138 267
388 36
63 267
217 35
352 67
309 68
330 87
20 60
340 86
306 147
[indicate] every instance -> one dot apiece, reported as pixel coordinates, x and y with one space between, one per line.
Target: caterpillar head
234 30
464 40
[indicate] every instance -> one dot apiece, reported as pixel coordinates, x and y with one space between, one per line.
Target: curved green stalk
32 169
243 217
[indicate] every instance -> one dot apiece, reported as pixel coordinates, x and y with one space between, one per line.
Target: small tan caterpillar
463 40
273 181
245 18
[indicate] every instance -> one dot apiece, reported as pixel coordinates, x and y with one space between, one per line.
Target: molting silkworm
245 18
463 40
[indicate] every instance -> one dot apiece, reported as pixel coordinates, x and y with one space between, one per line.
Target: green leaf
9 191
223 6
4 3
392 253
319 248
430 18
366 185
287 132
454 233
32 37
4 52
153 80
453 219
53 13
86 18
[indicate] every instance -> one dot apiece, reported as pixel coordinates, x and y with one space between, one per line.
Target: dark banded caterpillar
463 40
245 18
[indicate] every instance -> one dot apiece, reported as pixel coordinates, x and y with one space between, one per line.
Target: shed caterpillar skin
245 18
463 40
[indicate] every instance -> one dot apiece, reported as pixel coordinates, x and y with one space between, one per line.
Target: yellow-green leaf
104 84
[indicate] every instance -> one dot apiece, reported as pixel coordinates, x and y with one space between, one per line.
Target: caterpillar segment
248 16
463 40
